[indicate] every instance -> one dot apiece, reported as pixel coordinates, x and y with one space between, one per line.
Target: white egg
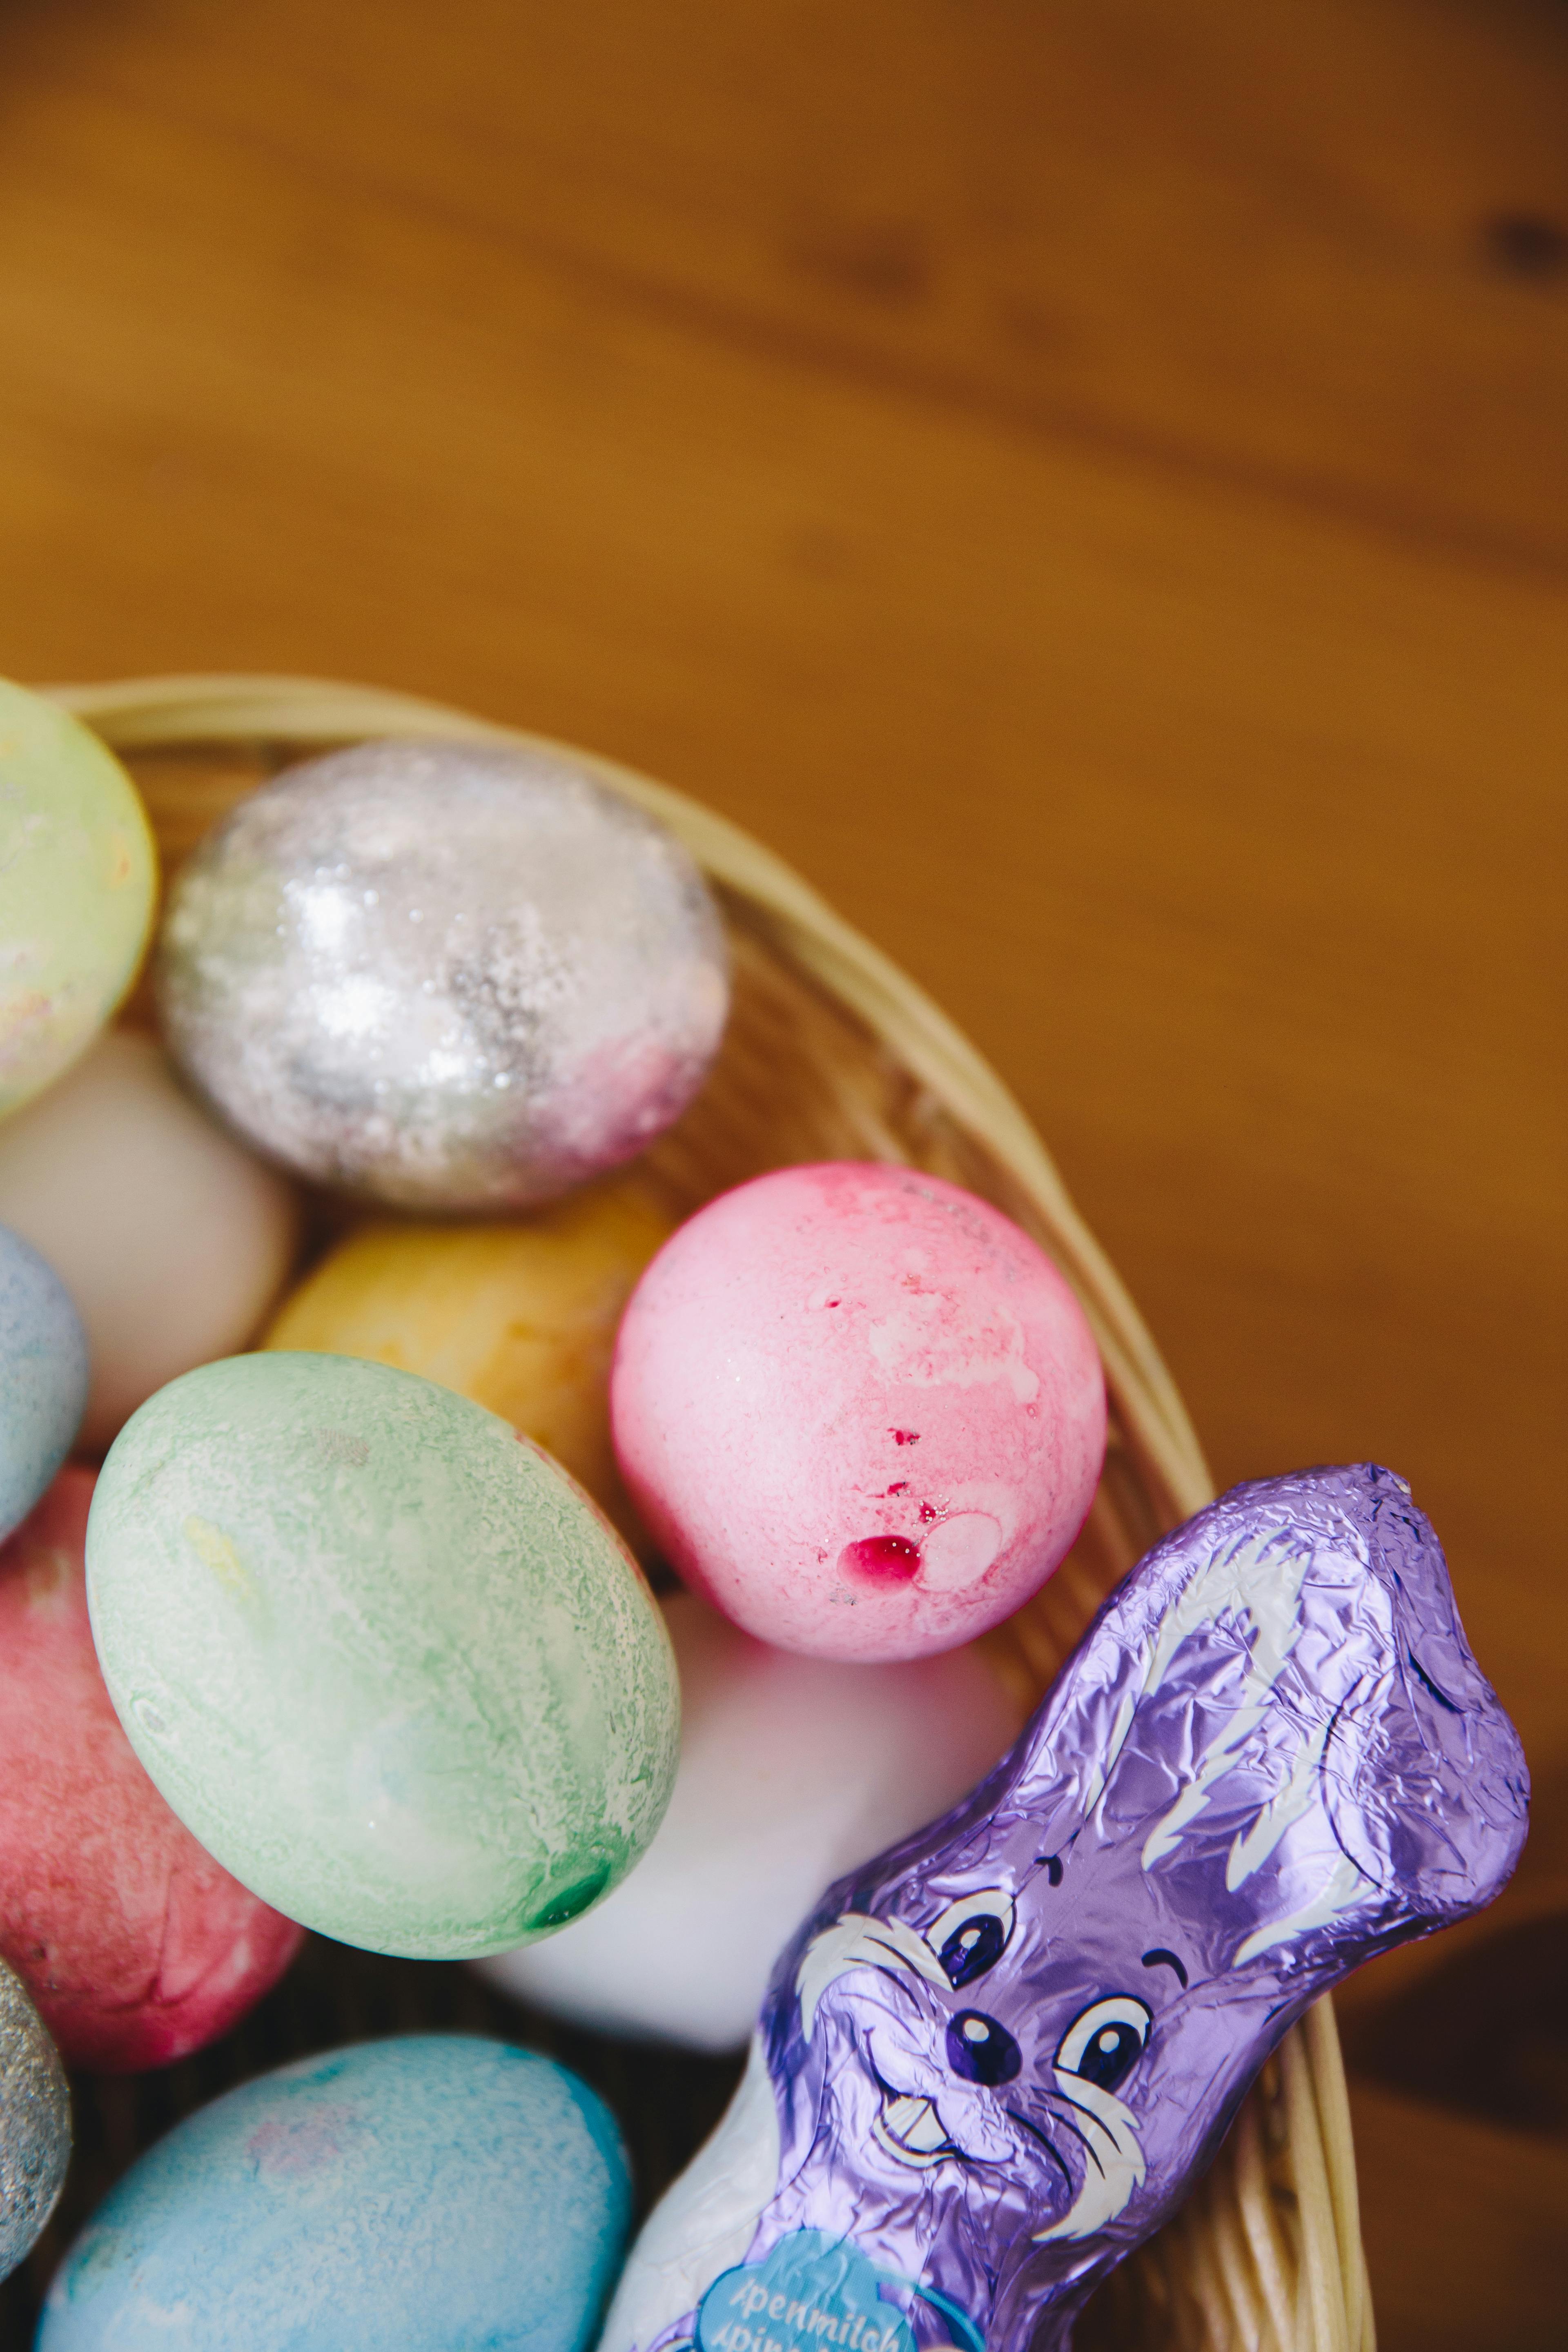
793 1770
172 1240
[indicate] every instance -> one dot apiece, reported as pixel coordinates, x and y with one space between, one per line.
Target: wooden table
1089 485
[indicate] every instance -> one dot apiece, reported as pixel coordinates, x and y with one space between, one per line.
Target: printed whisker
1046 2142
1099 2121
1087 2146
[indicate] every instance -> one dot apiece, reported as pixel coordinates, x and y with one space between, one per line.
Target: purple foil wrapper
996 2058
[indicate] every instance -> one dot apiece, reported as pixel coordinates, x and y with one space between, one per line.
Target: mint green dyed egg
381 1654
77 876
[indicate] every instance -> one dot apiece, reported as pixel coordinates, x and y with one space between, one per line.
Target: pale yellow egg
519 1316
79 872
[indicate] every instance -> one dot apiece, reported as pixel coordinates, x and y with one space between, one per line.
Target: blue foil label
810 2291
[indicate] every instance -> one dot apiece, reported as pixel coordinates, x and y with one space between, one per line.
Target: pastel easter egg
859 1409
793 1770
436 2193
519 1316
380 1653
43 1376
77 876
137 1946
35 2124
449 976
172 1239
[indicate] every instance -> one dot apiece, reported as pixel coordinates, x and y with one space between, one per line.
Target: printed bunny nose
980 2050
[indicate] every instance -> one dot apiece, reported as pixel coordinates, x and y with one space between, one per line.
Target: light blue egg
43 1376
438 2192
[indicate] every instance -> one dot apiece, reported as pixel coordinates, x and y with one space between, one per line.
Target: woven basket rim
1256 2243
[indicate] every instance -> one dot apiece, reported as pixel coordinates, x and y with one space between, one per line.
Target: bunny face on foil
994 2060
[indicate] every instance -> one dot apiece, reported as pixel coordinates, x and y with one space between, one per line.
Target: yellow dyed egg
520 1316
77 876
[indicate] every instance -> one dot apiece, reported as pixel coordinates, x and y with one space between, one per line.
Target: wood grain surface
1088 485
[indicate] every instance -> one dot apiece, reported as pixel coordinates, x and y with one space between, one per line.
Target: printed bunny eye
972 1934
1104 2043
981 2049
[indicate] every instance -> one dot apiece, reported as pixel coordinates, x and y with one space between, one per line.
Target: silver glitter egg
443 976
35 2124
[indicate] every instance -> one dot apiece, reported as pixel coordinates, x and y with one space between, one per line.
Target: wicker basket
832 1054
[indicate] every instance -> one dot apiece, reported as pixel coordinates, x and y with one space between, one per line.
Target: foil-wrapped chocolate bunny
994 2059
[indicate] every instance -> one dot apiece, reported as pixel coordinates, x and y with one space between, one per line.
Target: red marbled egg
135 1946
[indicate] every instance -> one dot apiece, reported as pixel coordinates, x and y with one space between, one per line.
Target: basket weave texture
832 1053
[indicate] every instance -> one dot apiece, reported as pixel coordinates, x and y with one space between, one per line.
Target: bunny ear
1278 1712
1239 1609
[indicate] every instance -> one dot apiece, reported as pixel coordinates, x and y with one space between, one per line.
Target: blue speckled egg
437 2193
43 1376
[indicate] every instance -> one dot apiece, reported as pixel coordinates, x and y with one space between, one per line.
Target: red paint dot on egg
887 1559
905 1436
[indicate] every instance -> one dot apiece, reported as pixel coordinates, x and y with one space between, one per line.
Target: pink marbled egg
859 1409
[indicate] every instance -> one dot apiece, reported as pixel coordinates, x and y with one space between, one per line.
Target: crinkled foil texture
443 976
35 2124
1000 2055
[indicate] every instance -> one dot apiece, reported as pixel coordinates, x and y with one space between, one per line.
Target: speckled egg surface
381 1654
135 1944
443 975
43 1376
437 2193
35 2124
77 873
859 1409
